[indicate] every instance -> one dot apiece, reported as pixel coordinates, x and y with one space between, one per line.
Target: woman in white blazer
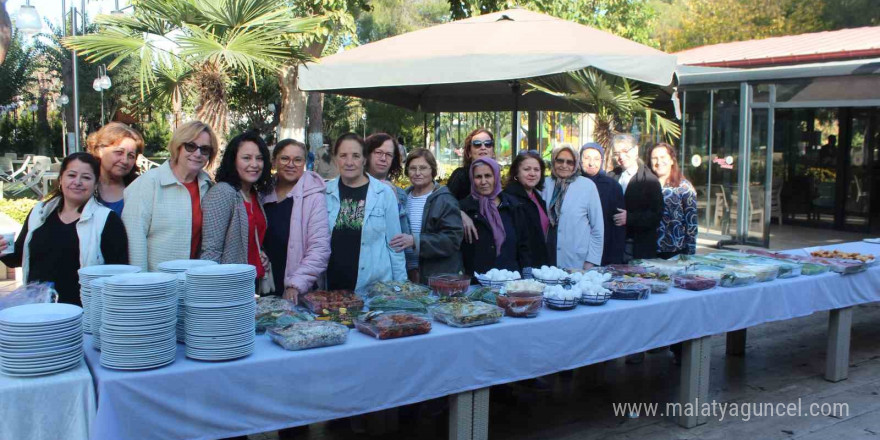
576 225
163 212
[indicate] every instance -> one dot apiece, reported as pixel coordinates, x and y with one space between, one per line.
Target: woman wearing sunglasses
478 144
576 234
500 220
298 235
163 212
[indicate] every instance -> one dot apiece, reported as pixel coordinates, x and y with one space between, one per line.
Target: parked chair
7 168
145 164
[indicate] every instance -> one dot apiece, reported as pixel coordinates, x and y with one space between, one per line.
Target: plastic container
449 284
521 304
306 335
390 303
628 290
332 300
392 325
657 285
487 295
280 318
405 289
466 314
694 282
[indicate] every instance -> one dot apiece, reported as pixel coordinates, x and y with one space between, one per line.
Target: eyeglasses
521 152
191 147
297 161
566 162
626 151
420 170
483 144
379 153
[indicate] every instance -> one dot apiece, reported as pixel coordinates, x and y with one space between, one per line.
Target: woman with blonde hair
117 146
163 212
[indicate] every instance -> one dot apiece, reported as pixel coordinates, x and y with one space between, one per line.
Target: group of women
300 232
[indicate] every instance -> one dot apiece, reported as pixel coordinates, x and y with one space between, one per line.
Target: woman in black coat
611 195
502 242
524 184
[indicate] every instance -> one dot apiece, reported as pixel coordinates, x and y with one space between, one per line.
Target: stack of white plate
180 267
86 275
40 339
97 287
220 311
138 320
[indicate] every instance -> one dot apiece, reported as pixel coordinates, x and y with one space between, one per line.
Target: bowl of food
449 284
560 298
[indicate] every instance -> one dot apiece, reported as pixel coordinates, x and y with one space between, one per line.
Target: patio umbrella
477 64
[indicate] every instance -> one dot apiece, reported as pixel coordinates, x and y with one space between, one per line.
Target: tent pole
425 130
533 130
514 120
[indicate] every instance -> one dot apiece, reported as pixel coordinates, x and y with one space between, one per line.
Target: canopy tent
477 64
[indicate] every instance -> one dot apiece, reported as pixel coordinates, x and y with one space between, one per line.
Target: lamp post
101 83
364 118
61 102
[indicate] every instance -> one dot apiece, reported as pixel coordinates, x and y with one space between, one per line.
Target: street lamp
61 102
364 118
101 83
28 21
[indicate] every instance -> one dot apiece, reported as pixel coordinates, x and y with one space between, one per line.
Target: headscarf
601 151
560 185
487 203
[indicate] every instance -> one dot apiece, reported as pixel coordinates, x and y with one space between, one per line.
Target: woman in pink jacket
298 233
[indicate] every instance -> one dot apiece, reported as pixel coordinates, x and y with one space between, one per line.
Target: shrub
18 209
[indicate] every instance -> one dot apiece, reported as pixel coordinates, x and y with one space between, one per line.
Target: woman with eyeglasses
478 144
385 164
235 223
524 183
363 218
502 242
163 210
117 146
435 220
576 234
610 193
297 234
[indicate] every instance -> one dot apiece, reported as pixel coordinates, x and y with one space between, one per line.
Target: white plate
40 363
25 337
175 266
872 240
42 330
223 270
107 270
39 346
135 368
36 315
71 366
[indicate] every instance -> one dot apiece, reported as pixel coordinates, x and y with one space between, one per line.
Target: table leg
694 381
736 343
469 415
837 357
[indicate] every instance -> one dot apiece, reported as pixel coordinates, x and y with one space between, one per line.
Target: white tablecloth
274 388
60 406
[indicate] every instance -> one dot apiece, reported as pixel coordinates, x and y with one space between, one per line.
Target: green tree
614 102
17 71
215 39
632 19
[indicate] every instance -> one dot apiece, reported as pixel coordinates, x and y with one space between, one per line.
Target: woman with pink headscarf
500 222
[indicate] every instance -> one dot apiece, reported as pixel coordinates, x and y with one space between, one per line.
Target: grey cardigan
225 225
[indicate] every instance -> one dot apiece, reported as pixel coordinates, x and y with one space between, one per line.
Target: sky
51 9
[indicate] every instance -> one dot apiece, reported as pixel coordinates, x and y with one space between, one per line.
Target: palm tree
207 41
613 102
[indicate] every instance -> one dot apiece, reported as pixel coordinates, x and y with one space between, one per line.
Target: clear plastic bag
404 289
392 325
466 314
273 311
306 335
33 293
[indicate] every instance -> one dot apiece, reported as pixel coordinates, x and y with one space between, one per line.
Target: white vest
88 230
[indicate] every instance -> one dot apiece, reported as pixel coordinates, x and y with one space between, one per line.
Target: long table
60 406
274 388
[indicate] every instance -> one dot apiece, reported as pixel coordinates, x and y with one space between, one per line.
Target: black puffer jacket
480 256
535 234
